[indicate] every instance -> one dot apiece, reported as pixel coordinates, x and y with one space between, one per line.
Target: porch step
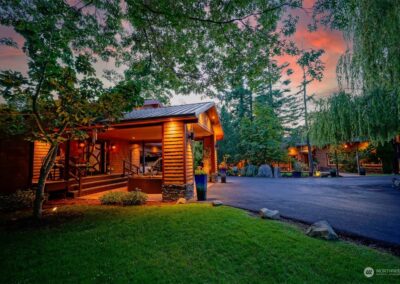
95 184
96 189
89 183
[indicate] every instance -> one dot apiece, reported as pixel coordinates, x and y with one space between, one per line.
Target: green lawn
183 243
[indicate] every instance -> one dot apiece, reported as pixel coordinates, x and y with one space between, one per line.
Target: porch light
82 145
346 146
113 147
54 209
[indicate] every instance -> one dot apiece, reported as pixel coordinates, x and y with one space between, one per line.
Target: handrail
129 168
76 173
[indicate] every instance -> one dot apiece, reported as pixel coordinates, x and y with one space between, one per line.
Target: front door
96 158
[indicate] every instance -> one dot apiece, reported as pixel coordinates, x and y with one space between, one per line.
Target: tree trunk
357 160
310 158
44 172
337 163
395 157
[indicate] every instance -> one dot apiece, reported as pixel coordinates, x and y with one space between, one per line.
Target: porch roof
169 111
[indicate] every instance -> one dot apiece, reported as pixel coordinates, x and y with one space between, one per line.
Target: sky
331 41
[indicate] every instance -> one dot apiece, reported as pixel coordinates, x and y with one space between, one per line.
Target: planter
223 175
201 187
363 172
296 174
333 173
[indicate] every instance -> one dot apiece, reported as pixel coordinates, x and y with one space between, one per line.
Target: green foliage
20 199
261 138
199 172
124 198
342 118
372 29
198 153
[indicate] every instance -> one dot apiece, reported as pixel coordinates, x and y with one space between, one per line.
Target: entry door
96 157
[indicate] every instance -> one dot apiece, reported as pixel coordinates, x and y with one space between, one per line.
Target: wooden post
143 159
67 154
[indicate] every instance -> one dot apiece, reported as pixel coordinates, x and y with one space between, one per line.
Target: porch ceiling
134 134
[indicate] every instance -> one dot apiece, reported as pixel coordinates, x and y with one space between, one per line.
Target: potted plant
296 173
222 169
200 177
363 172
333 172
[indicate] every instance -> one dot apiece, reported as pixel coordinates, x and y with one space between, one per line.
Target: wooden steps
95 184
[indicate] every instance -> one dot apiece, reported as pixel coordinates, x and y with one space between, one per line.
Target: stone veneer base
172 192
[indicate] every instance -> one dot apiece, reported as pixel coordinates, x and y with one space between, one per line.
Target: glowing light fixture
82 145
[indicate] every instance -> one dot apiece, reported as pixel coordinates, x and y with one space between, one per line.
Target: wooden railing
129 169
77 173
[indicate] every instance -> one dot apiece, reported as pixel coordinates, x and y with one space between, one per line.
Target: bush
134 198
18 200
112 198
124 198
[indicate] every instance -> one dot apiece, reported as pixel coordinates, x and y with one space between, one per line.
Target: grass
193 243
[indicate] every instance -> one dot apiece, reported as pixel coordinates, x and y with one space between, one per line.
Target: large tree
261 138
370 65
163 46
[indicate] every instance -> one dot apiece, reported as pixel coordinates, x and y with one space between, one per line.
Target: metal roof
169 111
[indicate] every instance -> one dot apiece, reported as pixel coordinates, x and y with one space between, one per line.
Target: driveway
363 206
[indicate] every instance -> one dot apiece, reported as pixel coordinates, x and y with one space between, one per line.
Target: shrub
112 198
134 198
18 200
124 198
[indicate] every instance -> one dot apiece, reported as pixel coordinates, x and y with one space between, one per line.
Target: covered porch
153 152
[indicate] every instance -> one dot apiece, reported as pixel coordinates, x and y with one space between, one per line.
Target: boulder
181 201
251 171
269 214
264 171
217 203
277 172
396 183
322 230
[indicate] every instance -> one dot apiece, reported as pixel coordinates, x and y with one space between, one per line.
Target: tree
276 93
370 64
312 68
165 46
372 58
343 118
261 138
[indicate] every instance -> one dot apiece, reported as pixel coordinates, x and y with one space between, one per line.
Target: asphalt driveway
363 206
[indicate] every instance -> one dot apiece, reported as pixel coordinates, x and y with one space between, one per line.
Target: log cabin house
149 148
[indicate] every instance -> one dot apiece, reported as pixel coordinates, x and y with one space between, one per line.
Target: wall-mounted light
82 145
113 147
191 135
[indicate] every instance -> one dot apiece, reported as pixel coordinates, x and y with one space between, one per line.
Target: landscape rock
217 203
251 171
269 214
277 172
181 201
322 230
264 171
396 183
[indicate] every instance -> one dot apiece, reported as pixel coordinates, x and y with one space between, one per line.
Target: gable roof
169 111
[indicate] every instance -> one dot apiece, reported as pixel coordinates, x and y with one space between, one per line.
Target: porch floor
96 196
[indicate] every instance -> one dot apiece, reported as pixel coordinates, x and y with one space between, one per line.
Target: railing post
79 182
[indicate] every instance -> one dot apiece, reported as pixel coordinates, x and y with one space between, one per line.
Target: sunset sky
331 41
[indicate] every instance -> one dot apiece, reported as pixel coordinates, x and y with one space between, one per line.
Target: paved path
365 206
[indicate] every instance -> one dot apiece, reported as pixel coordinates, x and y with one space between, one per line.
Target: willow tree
162 47
370 65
